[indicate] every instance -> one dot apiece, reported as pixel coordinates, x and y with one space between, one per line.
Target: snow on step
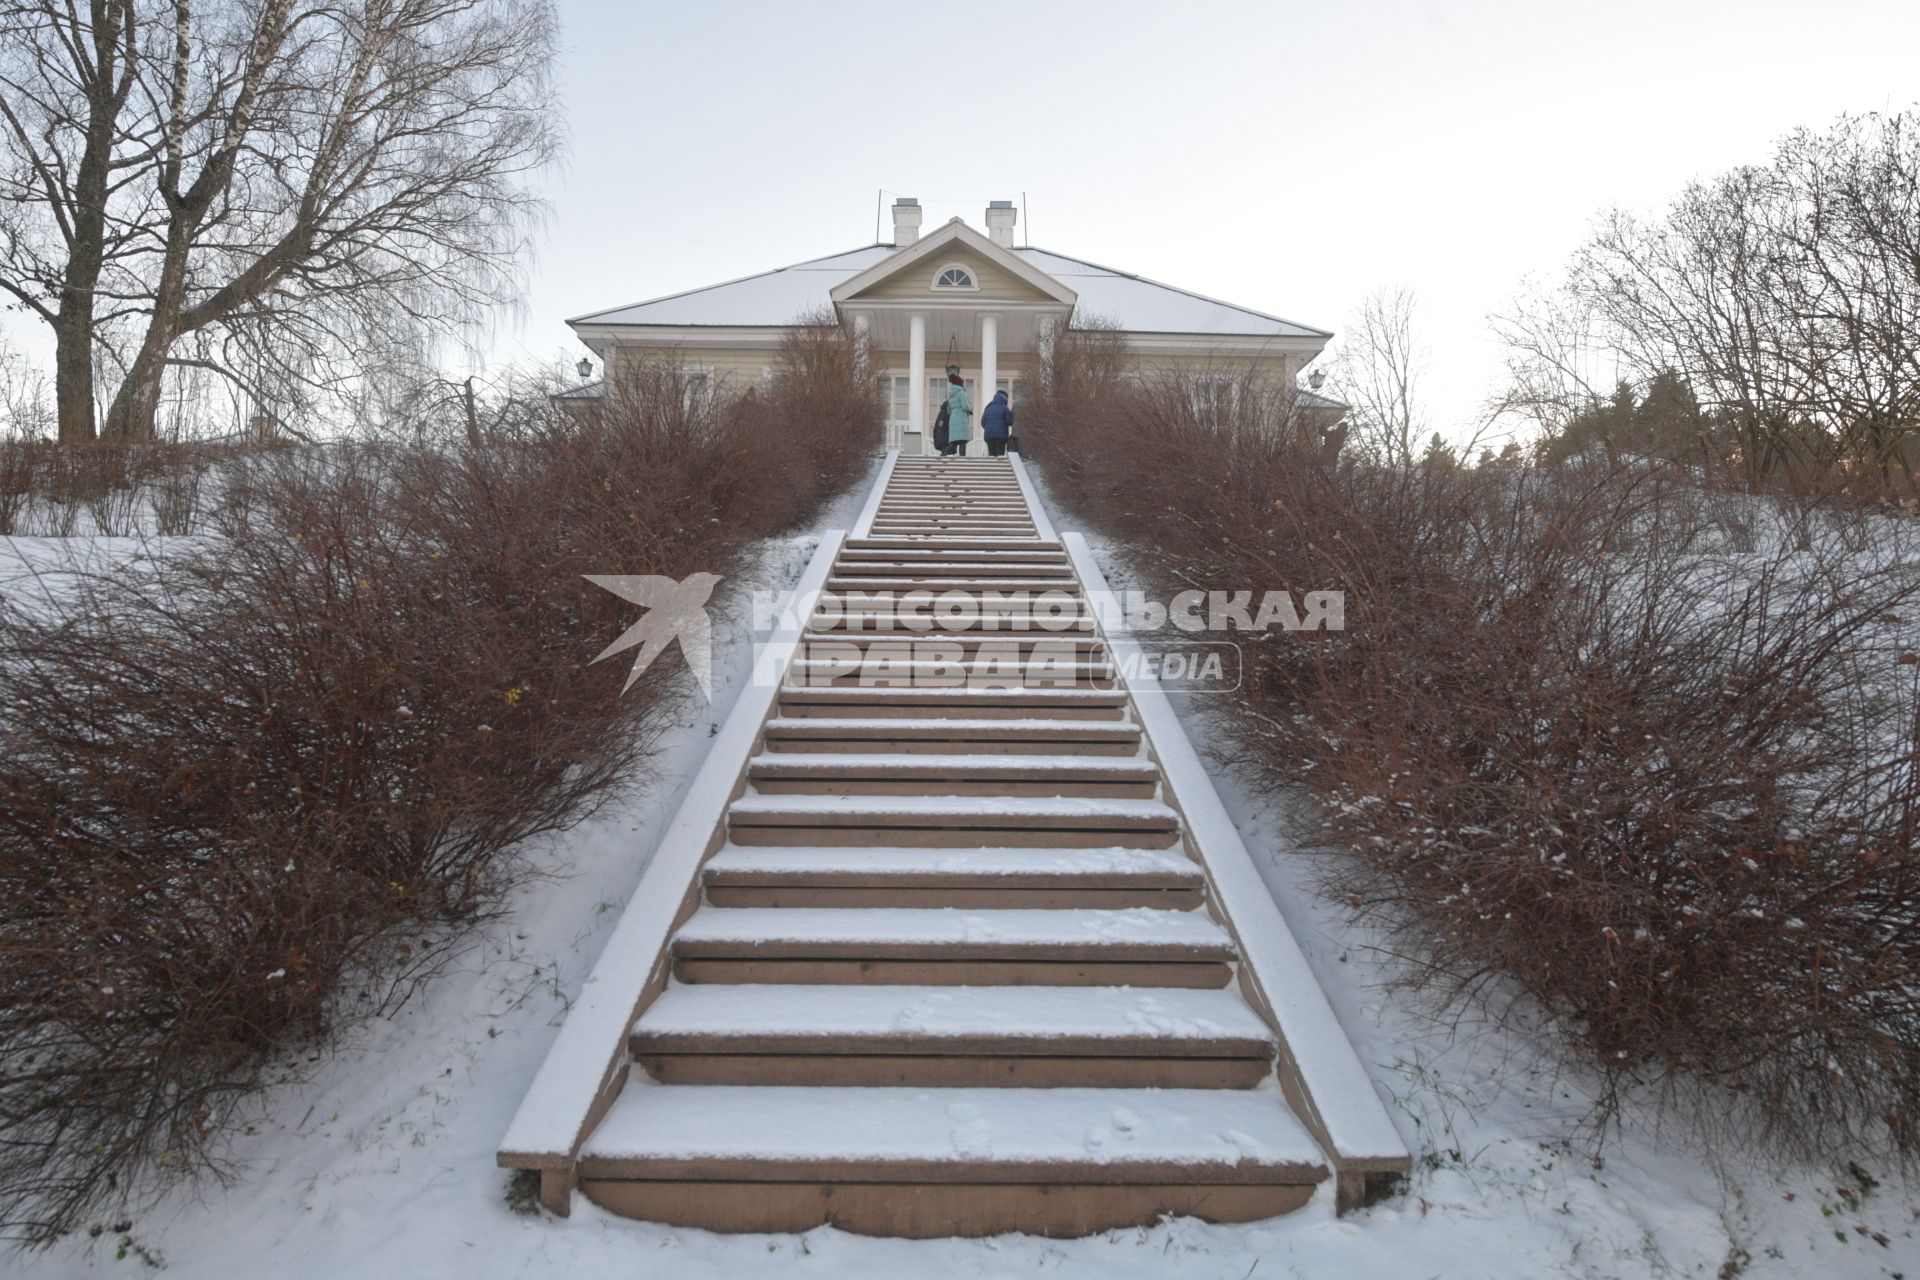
711 1011
1091 810
1032 552
737 863
945 542
980 559
787 764
878 664
907 726
998 1134
714 927
828 694
964 586
1037 571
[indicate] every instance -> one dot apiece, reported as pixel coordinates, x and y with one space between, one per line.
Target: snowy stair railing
1040 520
588 1062
1319 1072
863 524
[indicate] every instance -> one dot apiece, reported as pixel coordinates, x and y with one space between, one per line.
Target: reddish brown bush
111 489
249 787
20 464
1591 736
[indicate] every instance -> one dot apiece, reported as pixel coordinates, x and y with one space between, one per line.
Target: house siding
744 368
997 284
734 367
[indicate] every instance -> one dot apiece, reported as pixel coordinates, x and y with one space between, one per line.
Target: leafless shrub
177 495
250 786
21 465
1582 747
121 489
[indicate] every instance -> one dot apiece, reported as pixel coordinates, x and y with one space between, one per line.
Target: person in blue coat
996 424
959 413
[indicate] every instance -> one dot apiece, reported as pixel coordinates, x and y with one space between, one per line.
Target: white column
989 367
917 376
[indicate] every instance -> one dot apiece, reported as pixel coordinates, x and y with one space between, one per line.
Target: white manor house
953 296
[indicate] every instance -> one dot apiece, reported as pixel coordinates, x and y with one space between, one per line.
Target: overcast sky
1290 157
1286 156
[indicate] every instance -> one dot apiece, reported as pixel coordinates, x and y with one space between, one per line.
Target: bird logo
676 610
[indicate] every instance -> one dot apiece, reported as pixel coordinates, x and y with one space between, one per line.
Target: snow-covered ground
377 1163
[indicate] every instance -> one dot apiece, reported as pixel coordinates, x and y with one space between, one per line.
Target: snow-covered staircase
950 962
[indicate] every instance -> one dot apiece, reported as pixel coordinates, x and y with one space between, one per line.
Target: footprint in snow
969 1135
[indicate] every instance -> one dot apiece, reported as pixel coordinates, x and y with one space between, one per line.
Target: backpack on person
940 428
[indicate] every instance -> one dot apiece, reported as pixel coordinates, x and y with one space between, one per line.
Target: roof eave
593 316
1174 288
1236 343
929 245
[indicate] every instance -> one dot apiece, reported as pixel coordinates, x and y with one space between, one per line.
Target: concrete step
827 773
859 571
918 525
979 521
932 622
916 702
1031 646
873 668
936 602
1007 877
952 734
944 1162
948 544
1020 551
946 1037
923 582
950 821
1135 947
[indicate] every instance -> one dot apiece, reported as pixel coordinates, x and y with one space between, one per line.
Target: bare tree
1785 296
26 411
288 182
68 189
1556 367
1376 370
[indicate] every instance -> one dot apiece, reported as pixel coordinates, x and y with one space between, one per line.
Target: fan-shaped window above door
955 277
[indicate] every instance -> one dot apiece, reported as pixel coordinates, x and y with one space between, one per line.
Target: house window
698 387
955 277
937 392
899 388
1213 395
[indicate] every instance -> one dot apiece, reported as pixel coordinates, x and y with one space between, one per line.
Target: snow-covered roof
1140 305
778 297
771 298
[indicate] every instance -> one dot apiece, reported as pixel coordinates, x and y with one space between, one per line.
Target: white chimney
906 221
1000 219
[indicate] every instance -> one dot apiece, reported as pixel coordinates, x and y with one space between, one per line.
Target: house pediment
955 266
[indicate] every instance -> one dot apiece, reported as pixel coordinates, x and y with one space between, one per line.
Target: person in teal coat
959 413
